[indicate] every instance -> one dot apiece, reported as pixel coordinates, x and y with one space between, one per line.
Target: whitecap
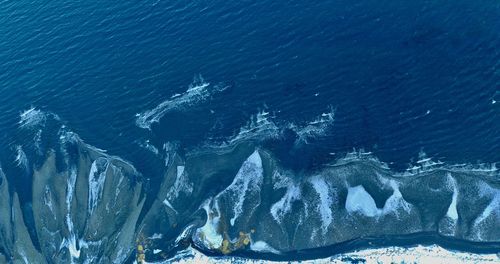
314 129
31 118
21 158
259 128
198 92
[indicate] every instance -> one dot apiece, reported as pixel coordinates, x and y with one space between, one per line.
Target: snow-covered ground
418 254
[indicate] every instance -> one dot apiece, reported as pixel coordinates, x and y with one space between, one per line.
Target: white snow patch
360 201
325 201
261 246
247 181
452 212
209 232
395 201
492 210
169 205
284 205
96 185
181 184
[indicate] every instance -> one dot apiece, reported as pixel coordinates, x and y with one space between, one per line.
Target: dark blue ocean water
402 76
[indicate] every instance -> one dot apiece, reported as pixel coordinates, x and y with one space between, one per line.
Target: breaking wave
198 92
263 127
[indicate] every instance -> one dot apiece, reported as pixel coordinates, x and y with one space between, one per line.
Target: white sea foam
21 158
148 146
263 126
68 137
360 155
246 182
198 92
31 118
156 236
326 200
423 164
185 233
259 128
313 129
